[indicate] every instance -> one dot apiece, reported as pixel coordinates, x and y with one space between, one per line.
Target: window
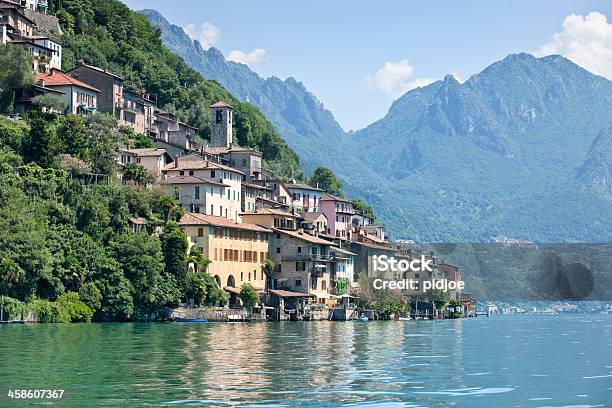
298 282
200 232
249 276
218 116
324 285
299 250
241 275
181 173
197 192
212 174
300 266
212 208
177 193
244 162
278 250
191 172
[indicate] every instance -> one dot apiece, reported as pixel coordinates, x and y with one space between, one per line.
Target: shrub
248 295
13 309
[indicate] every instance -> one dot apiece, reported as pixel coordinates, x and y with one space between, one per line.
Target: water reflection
479 362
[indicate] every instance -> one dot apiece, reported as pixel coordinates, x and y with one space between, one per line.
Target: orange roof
304 236
57 78
202 219
194 162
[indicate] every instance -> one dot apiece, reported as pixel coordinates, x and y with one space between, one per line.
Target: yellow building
237 250
271 218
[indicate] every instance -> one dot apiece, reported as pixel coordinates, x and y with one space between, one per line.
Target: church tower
221 121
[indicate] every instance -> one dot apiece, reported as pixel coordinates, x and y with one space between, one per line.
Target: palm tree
198 259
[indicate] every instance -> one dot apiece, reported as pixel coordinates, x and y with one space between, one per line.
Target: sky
359 56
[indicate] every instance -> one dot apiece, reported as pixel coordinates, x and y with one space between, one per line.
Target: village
305 251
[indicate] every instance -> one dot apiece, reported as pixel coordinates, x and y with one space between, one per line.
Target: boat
362 319
403 318
190 320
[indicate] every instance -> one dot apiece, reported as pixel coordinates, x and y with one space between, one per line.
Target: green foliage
13 309
109 35
137 173
174 245
12 133
15 72
248 295
195 288
91 295
41 144
384 302
326 180
215 296
45 311
361 206
439 297
49 103
134 140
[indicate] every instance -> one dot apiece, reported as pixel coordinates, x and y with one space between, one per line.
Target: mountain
295 112
520 150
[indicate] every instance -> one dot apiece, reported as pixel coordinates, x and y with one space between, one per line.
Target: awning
231 289
287 293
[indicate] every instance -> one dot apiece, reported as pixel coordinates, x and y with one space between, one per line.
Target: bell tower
221 121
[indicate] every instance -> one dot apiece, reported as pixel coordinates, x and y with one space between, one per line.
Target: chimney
176 160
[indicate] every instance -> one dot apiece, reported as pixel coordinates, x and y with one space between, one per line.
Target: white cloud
207 34
250 58
394 79
587 41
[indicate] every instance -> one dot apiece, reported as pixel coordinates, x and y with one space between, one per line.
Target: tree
91 295
15 72
73 137
174 244
41 144
325 179
199 261
103 140
362 207
137 173
195 288
439 297
248 295
49 103
140 257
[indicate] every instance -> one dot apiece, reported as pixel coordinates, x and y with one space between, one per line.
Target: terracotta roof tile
57 78
193 162
202 219
304 237
191 180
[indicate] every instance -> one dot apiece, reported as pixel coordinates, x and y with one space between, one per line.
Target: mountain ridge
296 112
510 152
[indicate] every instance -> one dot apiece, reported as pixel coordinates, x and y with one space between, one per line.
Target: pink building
339 213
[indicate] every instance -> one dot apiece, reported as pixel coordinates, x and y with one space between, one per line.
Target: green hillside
109 35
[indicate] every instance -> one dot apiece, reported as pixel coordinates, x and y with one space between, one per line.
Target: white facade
305 198
55 60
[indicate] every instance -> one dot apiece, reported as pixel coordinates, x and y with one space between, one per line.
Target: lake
502 361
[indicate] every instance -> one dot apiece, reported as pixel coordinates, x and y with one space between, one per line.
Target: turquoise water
506 361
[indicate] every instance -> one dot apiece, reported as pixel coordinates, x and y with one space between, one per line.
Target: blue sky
357 57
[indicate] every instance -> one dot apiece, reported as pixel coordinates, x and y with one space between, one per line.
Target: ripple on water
468 391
